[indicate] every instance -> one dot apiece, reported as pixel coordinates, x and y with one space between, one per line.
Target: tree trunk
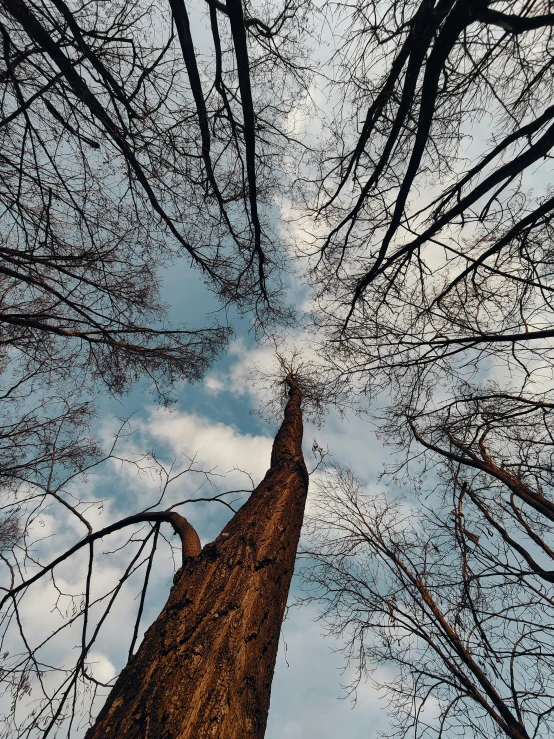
205 666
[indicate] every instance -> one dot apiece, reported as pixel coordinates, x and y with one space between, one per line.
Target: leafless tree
431 262
133 135
128 141
447 607
432 208
123 147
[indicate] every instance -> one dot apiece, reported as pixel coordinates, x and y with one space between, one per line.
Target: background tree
431 267
448 605
434 245
127 143
123 149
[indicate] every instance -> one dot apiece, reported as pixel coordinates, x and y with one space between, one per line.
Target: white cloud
100 667
215 445
214 385
238 379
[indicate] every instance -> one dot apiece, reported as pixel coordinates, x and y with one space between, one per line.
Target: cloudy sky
211 423
211 429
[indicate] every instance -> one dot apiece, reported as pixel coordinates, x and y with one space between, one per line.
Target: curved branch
189 539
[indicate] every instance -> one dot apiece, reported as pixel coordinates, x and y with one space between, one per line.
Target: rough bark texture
205 666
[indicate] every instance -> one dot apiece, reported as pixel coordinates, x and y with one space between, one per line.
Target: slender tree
447 607
206 664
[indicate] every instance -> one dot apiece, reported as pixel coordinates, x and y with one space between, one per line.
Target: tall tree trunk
205 666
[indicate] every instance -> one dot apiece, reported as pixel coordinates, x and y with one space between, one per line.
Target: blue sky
213 420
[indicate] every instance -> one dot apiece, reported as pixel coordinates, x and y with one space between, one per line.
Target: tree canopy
409 144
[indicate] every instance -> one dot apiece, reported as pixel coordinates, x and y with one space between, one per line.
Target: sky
213 421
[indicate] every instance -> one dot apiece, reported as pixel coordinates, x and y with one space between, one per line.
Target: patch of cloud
237 380
216 446
100 667
213 385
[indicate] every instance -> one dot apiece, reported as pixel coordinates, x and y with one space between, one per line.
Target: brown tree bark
205 667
